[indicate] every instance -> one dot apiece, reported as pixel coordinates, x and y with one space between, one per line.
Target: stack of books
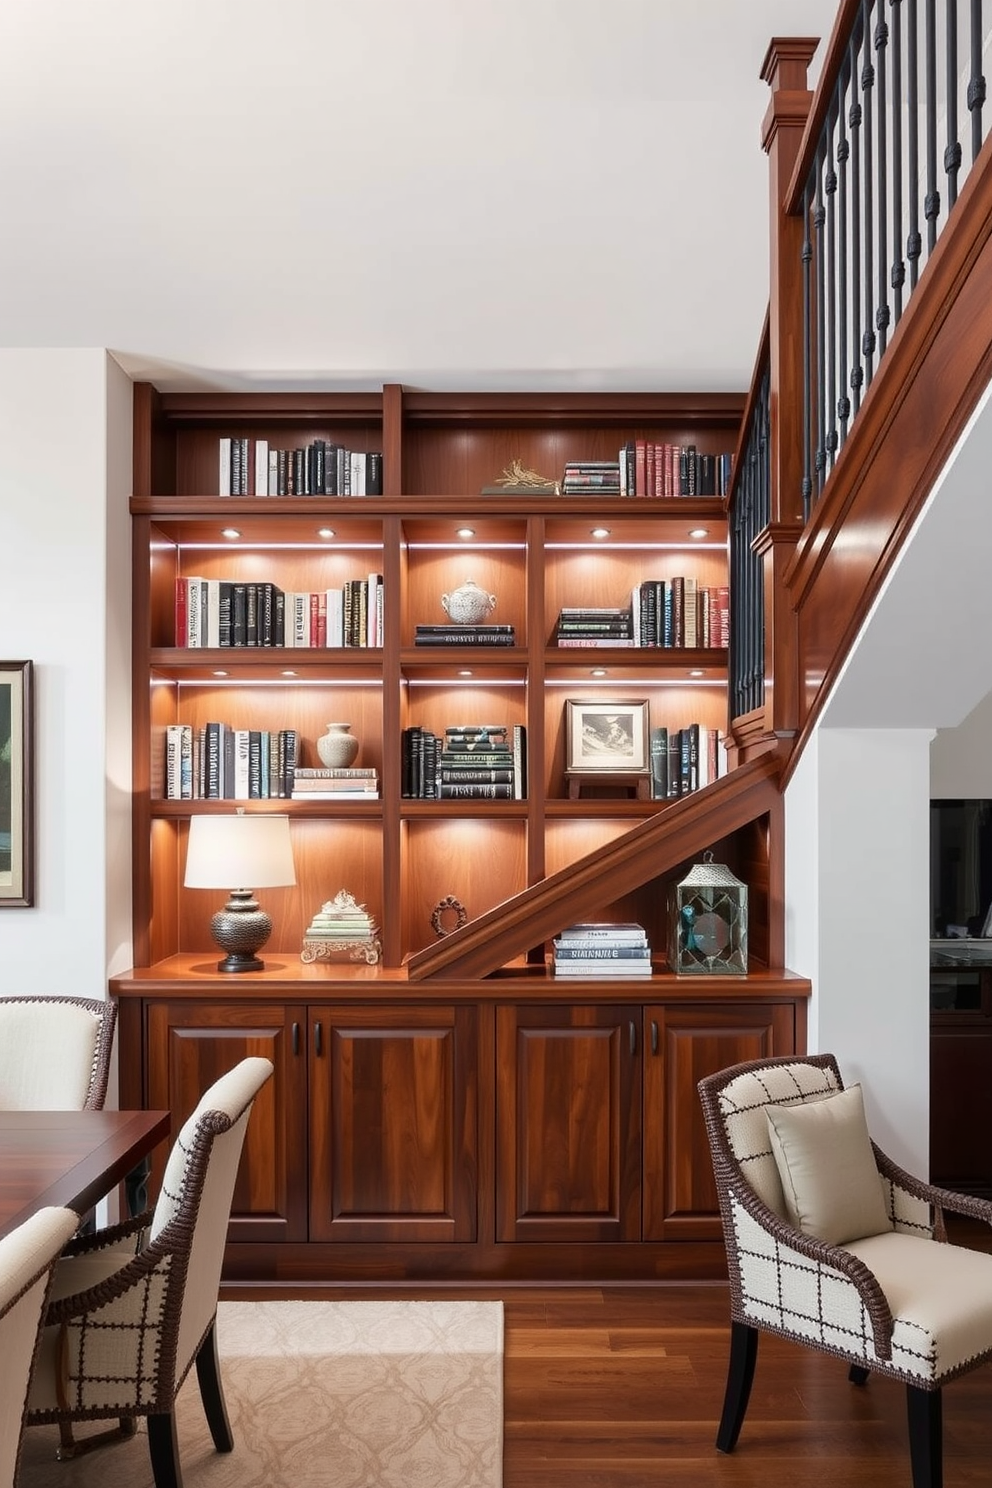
339 784
342 927
594 627
464 635
602 949
591 478
477 762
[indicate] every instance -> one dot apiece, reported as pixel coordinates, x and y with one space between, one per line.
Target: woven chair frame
48 1266
734 1189
105 1014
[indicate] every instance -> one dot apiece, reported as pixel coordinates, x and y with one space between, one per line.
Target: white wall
961 758
857 833
65 605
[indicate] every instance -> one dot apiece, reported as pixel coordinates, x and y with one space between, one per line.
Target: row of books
252 467
684 760
219 612
651 469
469 762
681 612
602 949
671 613
221 763
336 783
464 635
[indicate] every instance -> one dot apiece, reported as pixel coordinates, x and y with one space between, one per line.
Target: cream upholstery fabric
137 1319
26 1260
831 1185
743 1104
941 1301
48 1052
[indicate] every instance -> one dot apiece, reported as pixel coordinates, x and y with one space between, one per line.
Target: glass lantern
708 922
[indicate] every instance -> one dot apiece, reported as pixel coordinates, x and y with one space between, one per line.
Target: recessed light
289 674
465 673
598 672
698 672
466 532
325 531
699 532
222 674
600 532
231 532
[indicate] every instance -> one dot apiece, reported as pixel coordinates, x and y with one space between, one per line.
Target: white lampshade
228 852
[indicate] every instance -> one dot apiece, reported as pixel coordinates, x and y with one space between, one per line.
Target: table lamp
226 850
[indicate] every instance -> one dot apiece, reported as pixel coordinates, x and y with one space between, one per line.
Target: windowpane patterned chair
830 1243
131 1312
27 1258
55 1053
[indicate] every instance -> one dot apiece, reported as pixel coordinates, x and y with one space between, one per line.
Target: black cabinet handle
633 1037
654 1037
296 1038
318 1041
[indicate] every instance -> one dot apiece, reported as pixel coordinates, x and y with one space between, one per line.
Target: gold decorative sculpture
517 478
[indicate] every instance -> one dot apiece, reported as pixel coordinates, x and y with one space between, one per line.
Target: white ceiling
446 193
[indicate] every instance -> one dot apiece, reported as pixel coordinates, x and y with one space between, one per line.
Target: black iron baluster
882 314
952 152
830 329
857 374
976 83
931 205
807 255
868 176
821 324
914 242
843 154
898 277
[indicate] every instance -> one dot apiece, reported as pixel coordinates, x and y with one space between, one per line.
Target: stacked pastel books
338 784
602 949
342 926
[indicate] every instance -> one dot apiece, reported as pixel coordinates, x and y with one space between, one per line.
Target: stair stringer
677 831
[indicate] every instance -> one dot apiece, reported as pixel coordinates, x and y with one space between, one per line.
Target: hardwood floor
617 1387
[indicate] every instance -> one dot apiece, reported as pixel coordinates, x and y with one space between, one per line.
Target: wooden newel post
785 71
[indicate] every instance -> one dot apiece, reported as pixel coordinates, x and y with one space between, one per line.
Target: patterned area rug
327 1395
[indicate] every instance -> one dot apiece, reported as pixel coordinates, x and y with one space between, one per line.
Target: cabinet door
189 1046
393 1123
682 1044
568 1109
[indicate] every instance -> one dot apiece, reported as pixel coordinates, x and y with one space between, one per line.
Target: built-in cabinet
475 1137
477 1119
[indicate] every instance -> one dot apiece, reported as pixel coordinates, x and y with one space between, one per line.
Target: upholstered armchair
27 1257
133 1307
831 1244
55 1053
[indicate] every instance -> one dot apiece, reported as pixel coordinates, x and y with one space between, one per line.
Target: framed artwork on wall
16 785
606 736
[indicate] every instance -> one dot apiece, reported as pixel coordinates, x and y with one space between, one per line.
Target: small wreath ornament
447 915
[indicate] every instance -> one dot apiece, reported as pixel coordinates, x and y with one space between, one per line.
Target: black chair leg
163 1444
858 1374
740 1373
925 1437
212 1392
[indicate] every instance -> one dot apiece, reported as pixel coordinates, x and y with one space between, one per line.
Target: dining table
69 1158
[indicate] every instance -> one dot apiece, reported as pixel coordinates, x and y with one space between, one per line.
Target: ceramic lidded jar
338 748
468 605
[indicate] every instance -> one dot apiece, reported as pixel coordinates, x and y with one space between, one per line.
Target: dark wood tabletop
69 1158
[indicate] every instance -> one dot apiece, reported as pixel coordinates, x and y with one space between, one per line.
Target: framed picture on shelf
603 736
16 786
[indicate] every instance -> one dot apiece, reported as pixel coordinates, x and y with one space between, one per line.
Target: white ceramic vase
338 748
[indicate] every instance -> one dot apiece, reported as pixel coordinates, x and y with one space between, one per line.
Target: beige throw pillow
823 1153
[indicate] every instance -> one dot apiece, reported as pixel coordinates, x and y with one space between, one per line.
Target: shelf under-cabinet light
231 533
283 681
465 682
325 531
465 532
222 674
289 674
599 672
466 673
697 672
635 547
449 547
698 532
261 546
599 532
631 680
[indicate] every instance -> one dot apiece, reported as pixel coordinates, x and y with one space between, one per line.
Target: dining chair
832 1244
27 1257
55 1053
133 1307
